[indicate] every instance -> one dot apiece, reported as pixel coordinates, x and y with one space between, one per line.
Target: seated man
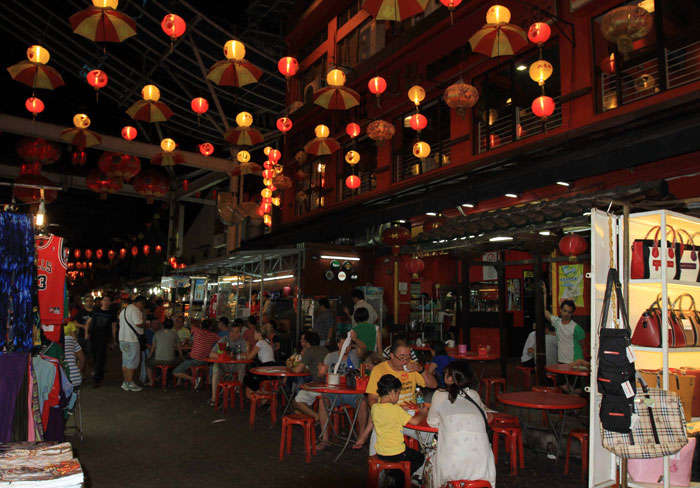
165 349
312 356
233 342
223 327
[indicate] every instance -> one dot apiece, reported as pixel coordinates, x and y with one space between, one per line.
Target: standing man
102 325
358 299
324 324
83 319
569 333
130 327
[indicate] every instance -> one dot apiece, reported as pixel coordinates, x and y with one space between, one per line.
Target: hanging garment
51 269
19 422
49 383
13 366
38 432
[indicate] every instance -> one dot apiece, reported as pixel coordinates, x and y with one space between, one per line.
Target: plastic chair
339 417
514 441
492 384
377 465
288 421
582 437
164 368
505 420
526 372
228 391
467 484
268 391
199 371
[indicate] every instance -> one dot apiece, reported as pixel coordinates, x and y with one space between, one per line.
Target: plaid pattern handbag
658 426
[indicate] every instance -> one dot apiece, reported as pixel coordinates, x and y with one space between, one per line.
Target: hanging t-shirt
71 348
51 281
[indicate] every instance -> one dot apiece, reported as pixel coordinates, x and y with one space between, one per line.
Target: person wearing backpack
463 450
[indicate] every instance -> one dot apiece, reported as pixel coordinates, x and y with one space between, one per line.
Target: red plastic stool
505 420
527 373
199 371
228 390
164 374
492 384
411 443
582 437
514 442
268 391
288 421
339 417
551 377
377 465
467 484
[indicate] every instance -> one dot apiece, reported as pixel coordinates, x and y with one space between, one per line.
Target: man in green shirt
364 334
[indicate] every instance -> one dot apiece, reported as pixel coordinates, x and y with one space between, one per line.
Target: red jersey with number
51 281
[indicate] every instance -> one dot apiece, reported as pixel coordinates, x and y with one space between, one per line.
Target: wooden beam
32 128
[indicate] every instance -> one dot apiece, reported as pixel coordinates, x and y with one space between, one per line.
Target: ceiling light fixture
545 233
468 205
521 67
511 195
563 183
340 258
500 239
430 214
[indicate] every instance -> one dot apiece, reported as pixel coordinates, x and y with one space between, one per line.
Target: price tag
687 324
627 389
630 354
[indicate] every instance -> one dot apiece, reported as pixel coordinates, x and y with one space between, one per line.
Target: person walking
103 325
130 328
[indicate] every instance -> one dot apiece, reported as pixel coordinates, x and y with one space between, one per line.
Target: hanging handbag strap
613 284
650 410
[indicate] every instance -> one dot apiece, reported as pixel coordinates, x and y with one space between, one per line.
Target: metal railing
644 79
368 182
408 166
514 124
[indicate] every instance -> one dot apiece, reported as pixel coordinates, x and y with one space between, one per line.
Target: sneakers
134 387
125 386
197 382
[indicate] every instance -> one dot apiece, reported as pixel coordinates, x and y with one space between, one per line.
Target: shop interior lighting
463 238
430 214
40 218
521 67
275 278
401 221
511 195
545 233
340 258
563 183
472 236
500 239
468 205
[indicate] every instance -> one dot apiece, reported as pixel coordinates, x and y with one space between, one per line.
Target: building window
313 185
503 114
349 12
667 57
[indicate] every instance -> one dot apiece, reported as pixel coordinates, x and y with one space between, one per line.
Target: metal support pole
501 270
541 352
262 285
299 311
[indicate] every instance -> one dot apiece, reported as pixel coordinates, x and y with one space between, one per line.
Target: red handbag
648 330
646 256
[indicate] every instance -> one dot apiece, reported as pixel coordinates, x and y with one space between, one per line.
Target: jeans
98 344
416 459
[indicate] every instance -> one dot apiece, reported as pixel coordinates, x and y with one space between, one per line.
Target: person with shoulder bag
131 341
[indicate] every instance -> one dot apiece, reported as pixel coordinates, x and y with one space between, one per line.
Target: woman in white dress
463 449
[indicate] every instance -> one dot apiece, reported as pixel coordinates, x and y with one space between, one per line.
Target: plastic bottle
419 396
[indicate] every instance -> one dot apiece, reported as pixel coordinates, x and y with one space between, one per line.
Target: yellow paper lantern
497 14
322 131
38 54
352 157
267 150
168 145
421 149
416 94
267 181
243 156
276 201
234 50
81 121
150 93
244 119
540 71
267 220
266 193
335 77
106 3
278 169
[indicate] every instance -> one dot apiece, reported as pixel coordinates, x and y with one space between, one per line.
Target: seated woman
262 354
440 360
463 450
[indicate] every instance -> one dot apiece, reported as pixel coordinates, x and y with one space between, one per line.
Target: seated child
389 419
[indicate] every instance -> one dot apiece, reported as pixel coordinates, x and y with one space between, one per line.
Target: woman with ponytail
463 450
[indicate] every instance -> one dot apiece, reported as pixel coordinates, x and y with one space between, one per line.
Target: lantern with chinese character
288 66
353 130
206 149
380 130
174 26
168 145
540 71
416 94
421 149
243 156
97 79
539 33
284 124
34 105
352 157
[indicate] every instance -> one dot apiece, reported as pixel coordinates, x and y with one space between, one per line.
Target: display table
325 389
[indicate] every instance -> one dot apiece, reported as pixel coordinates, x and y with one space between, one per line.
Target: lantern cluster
541 70
274 180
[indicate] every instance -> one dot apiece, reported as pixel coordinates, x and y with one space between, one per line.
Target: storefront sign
571 283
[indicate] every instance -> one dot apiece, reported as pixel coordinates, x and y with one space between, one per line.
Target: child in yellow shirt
71 329
389 419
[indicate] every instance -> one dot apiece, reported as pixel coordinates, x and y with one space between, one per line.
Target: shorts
306 397
131 352
349 400
183 367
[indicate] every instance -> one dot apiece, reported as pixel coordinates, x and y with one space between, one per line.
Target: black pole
505 352
463 304
540 295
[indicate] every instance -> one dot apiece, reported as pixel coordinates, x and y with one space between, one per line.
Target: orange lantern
97 79
267 220
543 106
173 25
288 66
284 124
421 149
99 254
268 165
416 94
129 133
380 130
352 157
146 249
134 251
111 254
206 149
540 71
353 130
418 122
88 253
268 174
274 155
353 182
34 105
539 33
266 208
461 96
377 85
199 105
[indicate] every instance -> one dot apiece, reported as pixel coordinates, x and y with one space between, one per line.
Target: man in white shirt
570 335
358 298
130 327
528 356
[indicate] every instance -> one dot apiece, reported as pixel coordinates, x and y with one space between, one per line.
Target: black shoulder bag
141 337
616 370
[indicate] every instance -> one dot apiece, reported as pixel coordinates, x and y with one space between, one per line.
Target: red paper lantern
288 66
268 165
274 155
353 129
122 253
134 251
268 174
173 25
395 237
573 245
265 208
431 223
97 79
377 85
418 122
206 149
38 151
159 249
451 4
539 33
88 253
181 266
90 264
77 254
199 105
34 105
111 254
415 266
353 182
99 254
146 249
543 106
284 124
129 133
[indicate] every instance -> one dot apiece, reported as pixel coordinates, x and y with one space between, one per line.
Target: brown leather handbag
688 319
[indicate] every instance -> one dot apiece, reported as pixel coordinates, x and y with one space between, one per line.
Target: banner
571 283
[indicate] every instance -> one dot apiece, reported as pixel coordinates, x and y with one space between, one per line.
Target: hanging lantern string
558 19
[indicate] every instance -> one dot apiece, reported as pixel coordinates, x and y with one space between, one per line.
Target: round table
281 372
324 388
422 427
568 371
545 401
229 360
474 356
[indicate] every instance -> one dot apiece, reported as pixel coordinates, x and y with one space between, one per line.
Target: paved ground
158 438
